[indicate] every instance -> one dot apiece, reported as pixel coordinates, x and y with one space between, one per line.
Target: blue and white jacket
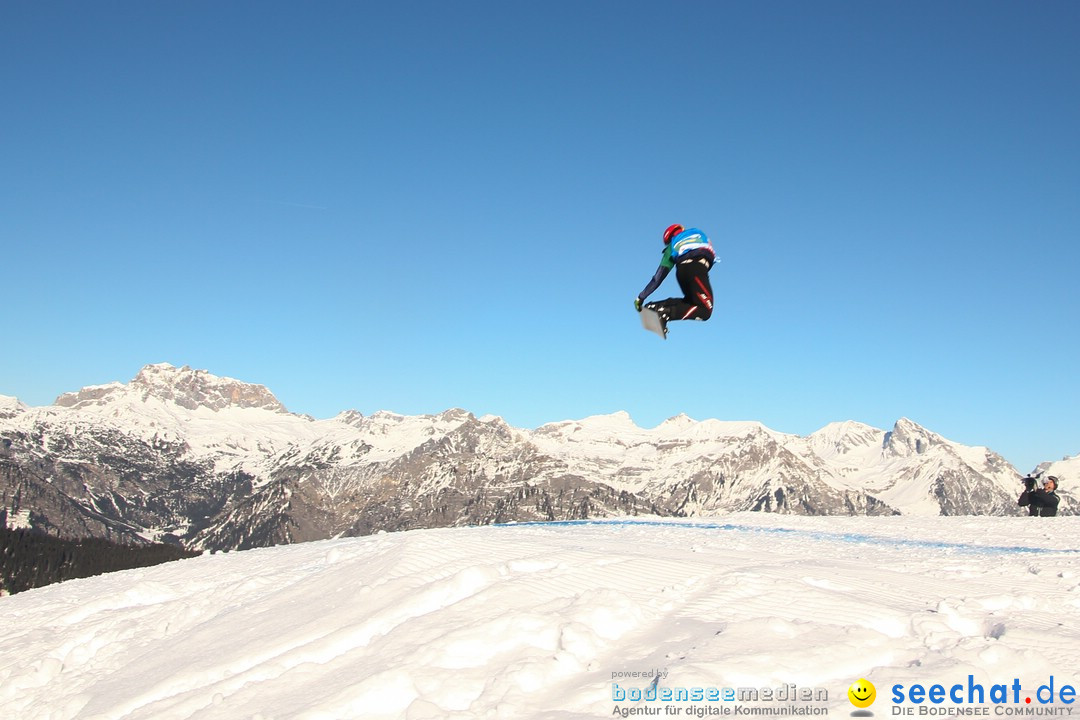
689 240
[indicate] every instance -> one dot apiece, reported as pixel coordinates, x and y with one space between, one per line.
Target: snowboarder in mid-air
692 256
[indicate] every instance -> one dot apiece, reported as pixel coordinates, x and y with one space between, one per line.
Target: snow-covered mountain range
217 463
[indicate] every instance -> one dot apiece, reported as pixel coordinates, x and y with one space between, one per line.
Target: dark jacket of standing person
1042 501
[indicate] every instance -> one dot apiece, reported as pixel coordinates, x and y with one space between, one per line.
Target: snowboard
651 321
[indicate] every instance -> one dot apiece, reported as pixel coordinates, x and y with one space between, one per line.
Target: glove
637 304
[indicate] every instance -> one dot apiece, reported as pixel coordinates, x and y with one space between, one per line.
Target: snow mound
537 621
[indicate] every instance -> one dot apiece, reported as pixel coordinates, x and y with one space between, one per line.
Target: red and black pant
697 300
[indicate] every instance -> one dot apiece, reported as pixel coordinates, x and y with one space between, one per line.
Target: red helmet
672 232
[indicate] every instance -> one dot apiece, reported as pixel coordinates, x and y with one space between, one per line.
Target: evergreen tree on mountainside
31 559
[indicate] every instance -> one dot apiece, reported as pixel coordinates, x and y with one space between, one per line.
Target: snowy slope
1066 469
539 621
10 407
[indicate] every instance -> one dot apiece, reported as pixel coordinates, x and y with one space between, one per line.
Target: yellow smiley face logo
862 693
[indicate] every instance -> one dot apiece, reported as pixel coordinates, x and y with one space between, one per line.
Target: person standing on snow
1041 501
692 256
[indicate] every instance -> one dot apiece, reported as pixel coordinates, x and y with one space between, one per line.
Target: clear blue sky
421 205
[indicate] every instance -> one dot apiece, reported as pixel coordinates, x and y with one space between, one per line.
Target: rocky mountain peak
842 438
191 389
183 386
681 421
456 415
90 395
909 438
351 417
